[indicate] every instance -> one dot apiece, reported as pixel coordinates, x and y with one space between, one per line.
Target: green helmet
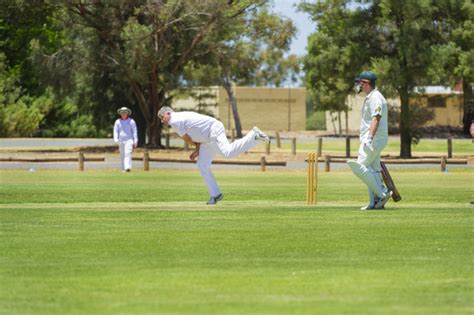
367 75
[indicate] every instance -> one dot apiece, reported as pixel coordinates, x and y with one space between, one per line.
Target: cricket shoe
382 201
372 207
260 135
214 200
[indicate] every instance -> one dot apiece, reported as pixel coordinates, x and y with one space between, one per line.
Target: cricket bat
389 183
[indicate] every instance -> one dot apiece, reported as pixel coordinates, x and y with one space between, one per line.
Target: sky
301 20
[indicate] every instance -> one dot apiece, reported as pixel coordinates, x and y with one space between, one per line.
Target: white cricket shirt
198 127
125 130
374 105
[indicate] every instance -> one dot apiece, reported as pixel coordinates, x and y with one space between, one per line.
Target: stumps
312 181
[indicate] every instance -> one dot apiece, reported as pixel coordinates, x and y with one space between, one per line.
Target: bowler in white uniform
373 138
209 137
125 135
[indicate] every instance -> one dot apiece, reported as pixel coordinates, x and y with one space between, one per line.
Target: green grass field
103 242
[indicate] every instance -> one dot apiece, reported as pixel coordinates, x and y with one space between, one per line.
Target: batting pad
367 176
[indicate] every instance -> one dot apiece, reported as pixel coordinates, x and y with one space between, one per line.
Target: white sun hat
124 110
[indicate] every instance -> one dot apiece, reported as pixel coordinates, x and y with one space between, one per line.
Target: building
446 104
268 108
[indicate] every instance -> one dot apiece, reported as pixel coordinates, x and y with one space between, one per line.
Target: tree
21 22
406 31
148 43
251 52
454 56
20 113
335 53
391 37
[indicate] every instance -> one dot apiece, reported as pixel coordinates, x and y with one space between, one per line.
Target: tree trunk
405 125
346 115
233 104
333 122
468 108
339 123
149 110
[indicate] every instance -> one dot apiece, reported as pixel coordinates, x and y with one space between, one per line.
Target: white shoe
260 135
214 200
368 207
381 203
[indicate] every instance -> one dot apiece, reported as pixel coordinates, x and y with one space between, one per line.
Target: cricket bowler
373 139
209 137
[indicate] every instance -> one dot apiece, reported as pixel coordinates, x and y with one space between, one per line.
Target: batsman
373 139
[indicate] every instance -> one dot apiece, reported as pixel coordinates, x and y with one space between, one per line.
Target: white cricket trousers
371 160
126 148
218 144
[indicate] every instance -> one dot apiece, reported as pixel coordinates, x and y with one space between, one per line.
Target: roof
436 89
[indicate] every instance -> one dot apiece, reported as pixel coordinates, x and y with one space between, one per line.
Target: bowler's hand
194 155
368 144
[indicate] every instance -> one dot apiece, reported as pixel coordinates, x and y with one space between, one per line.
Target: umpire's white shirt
125 135
125 130
374 105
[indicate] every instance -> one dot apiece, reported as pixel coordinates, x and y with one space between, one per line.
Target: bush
316 121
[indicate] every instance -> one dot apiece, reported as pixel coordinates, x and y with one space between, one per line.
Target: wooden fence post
450 147
348 147
186 146
146 160
81 161
293 146
443 163
267 149
320 146
263 163
278 140
167 143
327 163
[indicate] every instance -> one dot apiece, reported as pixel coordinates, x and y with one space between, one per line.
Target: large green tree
20 23
406 31
391 37
24 99
453 58
251 51
337 51
148 43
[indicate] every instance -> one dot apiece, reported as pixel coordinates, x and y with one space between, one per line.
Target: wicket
312 185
